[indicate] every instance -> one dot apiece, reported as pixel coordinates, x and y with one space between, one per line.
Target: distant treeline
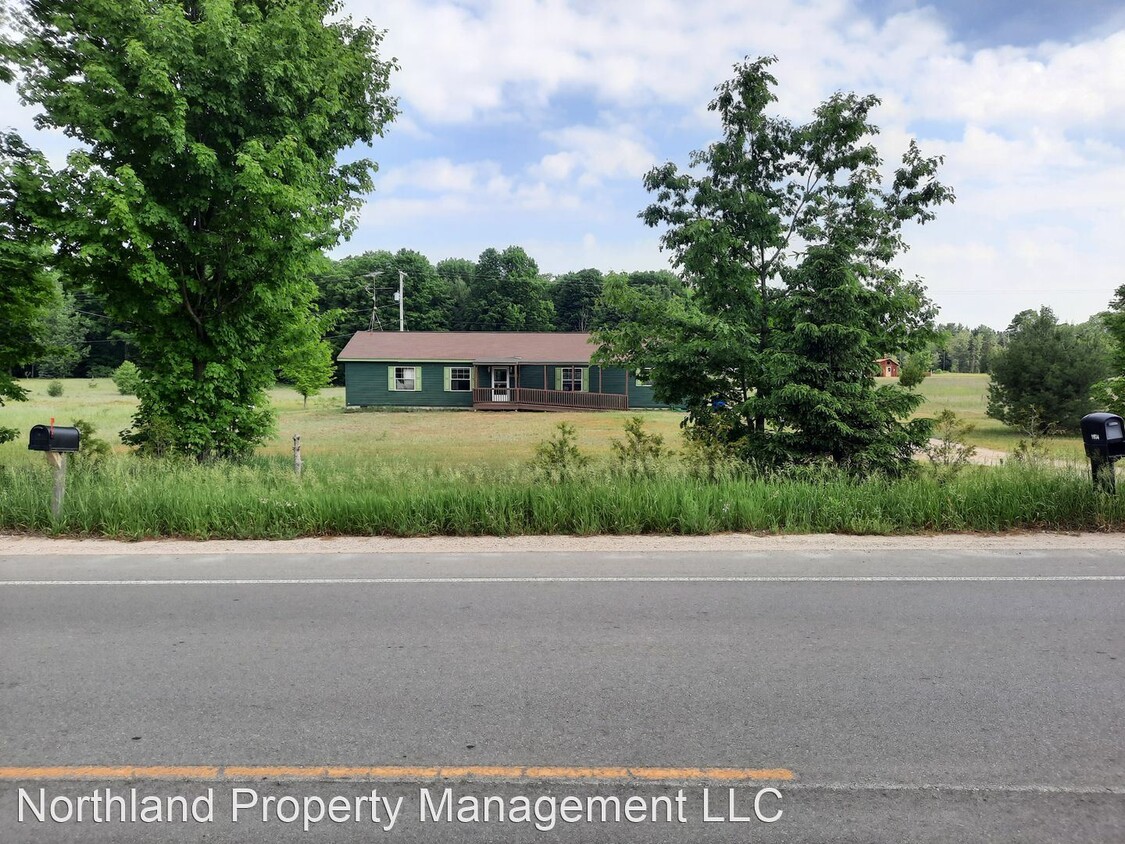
964 349
500 291
503 290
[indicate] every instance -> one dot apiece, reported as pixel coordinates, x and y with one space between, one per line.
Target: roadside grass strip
135 498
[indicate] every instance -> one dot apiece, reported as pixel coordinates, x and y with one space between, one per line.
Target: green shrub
93 449
127 378
640 453
559 458
915 368
55 389
949 449
1031 449
709 454
155 440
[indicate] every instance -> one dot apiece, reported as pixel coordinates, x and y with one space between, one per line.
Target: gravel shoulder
1031 541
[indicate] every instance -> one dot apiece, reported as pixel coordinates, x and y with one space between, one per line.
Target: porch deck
524 398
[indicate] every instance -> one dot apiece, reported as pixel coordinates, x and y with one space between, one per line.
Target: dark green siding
641 396
531 376
613 381
366 385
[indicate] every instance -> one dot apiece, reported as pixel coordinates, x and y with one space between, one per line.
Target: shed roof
479 346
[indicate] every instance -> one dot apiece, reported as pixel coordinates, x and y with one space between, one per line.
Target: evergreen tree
787 237
915 367
1042 380
457 274
826 405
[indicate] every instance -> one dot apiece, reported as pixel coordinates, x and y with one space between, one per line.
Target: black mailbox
53 438
1103 434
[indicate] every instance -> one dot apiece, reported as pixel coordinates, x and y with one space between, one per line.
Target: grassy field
460 439
465 473
967 396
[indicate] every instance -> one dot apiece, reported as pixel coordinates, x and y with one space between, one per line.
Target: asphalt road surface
878 697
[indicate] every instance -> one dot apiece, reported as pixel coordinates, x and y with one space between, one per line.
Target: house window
644 377
460 379
404 378
572 379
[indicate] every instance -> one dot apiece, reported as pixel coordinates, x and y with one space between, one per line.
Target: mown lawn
424 438
458 439
967 396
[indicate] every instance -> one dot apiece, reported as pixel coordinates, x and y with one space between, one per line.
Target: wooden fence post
297 464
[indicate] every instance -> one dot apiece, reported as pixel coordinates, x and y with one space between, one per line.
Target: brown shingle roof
530 347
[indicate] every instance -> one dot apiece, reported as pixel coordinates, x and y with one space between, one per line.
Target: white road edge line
378 581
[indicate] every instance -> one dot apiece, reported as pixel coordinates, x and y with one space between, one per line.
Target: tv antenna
399 297
374 291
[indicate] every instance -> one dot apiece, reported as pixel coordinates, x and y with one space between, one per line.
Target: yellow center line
392 773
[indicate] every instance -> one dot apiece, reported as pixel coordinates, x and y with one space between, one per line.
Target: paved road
887 697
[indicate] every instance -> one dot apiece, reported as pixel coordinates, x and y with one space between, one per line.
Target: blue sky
531 122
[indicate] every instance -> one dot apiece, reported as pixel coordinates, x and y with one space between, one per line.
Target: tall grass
134 498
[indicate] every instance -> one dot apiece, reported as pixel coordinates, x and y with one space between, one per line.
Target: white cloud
443 175
1032 136
1064 85
442 188
593 154
562 255
590 93
464 60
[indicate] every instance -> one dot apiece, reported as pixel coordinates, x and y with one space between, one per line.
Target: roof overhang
525 362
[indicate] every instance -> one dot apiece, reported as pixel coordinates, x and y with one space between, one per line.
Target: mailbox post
1103 436
57 443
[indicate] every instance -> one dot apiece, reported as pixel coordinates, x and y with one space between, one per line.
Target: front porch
517 384
532 398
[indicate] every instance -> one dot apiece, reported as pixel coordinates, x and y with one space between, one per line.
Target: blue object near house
485 370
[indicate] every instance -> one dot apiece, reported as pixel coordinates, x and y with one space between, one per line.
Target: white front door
501 379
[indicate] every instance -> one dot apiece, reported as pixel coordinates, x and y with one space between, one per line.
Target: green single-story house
485 370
